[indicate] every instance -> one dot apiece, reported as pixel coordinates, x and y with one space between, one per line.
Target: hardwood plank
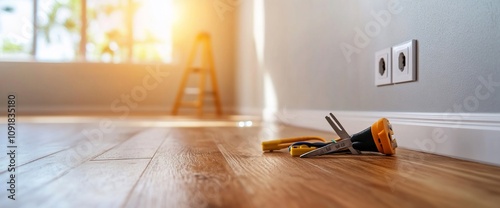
93 184
365 180
188 171
276 178
225 167
38 140
36 174
142 145
52 137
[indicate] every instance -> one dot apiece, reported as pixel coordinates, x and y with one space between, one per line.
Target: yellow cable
278 144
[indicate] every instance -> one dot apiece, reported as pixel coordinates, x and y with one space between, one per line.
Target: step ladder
207 68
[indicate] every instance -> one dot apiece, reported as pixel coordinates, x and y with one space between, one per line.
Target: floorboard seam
225 155
1 172
70 169
110 159
129 138
143 171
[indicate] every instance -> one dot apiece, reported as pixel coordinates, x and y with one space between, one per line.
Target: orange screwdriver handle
382 136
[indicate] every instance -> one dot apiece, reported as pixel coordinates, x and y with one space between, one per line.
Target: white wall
458 42
301 72
76 88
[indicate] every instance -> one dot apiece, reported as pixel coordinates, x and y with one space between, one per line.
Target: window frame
81 53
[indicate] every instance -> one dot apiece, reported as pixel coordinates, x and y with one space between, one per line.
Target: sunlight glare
153 22
259 32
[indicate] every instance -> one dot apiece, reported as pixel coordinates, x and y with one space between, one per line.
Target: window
152 31
16 29
58 30
113 31
107 32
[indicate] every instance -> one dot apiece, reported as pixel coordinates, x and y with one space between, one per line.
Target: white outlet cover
382 67
404 62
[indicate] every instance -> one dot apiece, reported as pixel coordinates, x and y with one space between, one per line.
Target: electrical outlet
383 73
404 62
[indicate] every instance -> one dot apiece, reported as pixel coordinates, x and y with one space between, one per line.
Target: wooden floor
180 163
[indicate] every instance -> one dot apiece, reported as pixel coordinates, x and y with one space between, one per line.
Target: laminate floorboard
53 139
188 171
153 163
39 173
92 184
141 146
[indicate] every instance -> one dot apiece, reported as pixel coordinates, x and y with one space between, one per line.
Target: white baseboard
474 137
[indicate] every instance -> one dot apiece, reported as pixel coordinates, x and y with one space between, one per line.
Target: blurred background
79 56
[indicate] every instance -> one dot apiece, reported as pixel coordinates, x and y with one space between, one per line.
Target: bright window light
153 31
58 30
16 29
116 31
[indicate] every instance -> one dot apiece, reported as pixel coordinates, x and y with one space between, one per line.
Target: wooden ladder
207 66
